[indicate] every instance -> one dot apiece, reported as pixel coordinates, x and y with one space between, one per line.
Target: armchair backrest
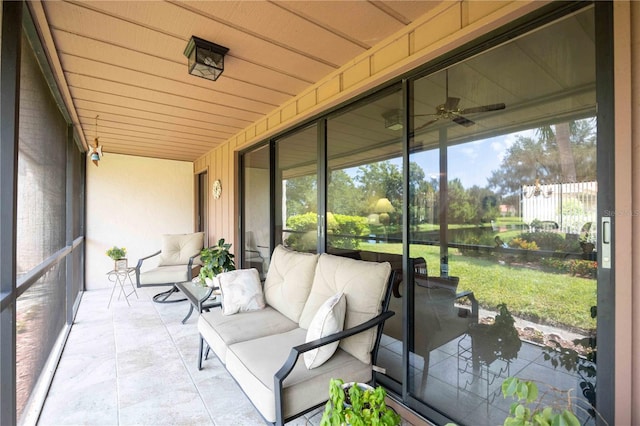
178 248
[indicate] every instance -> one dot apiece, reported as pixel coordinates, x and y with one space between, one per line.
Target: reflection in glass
256 226
504 214
297 190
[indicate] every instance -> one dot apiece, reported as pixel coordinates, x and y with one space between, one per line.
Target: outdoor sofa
281 352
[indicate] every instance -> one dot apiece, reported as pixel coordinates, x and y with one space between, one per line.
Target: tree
380 180
543 158
343 195
301 195
460 208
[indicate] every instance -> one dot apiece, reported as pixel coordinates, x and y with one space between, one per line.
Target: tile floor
137 365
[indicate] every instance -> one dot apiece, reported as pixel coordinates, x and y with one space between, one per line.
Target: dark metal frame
10 52
605 379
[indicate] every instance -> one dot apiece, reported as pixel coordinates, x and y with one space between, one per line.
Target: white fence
564 206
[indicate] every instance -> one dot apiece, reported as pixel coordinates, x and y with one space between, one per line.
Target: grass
544 297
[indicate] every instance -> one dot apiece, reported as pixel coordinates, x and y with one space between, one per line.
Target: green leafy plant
355 406
116 253
497 340
531 408
216 260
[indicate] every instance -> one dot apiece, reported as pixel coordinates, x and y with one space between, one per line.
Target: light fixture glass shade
383 205
206 59
393 119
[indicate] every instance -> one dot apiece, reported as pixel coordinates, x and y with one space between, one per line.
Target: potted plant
357 404
215 260
119 256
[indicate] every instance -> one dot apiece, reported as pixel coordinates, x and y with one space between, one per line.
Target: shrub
583 268
344 231
545 240
520 243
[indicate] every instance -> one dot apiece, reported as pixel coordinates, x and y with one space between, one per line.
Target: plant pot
363 387
120 264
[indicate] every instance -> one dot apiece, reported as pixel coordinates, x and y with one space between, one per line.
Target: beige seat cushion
289 281
178 248
363 284
220 330
254 363
165 274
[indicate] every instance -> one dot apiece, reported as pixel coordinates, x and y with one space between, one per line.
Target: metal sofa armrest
296 351
474 303
139 265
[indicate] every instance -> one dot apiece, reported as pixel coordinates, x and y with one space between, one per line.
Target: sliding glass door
479 182
505 218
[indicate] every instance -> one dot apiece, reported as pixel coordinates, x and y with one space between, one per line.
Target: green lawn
544 297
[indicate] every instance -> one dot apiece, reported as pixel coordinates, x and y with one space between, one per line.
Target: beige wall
446 27
131 201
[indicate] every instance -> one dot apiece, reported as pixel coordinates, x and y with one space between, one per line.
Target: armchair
177 261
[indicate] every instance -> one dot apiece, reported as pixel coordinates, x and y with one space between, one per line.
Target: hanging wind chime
96 151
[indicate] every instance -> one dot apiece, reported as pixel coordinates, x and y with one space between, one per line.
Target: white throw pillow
241 291
328 320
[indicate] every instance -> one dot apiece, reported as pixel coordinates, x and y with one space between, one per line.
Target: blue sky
471 162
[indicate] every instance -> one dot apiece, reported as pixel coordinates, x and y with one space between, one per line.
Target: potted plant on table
215 260
357 404
119 256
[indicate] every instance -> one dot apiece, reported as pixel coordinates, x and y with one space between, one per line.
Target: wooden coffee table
201 297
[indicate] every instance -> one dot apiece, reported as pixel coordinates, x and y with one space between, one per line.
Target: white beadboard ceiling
123 62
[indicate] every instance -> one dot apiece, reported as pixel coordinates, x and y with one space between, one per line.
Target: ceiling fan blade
484 108
451 104
463 121
427 123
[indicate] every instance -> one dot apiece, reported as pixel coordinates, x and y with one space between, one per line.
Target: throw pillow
241 291
328 320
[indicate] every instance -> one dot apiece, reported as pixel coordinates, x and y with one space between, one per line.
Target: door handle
605 243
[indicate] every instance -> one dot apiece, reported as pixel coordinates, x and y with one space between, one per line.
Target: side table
199 297
119 278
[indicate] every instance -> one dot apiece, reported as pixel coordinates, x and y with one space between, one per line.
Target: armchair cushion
241 291
178 248
328 320
289 281
166 274
363 284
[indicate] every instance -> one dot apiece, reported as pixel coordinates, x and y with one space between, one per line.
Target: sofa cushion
178 248
254 363
221 330
289 281
328 320
165 274
363 284
241 291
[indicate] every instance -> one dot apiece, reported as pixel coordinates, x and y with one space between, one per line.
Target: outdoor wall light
393 119
206 59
